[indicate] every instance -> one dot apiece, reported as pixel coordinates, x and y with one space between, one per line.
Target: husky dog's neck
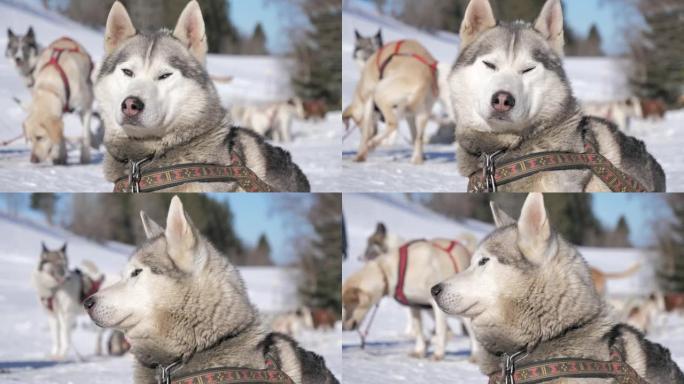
560 134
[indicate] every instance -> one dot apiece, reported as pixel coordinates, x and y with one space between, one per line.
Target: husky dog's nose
34 159
132 106
89 303
503 101
436 290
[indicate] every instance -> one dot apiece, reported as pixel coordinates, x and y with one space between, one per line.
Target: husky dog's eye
38 138
136 272
164 76
530 69
483 261
489 65
127 72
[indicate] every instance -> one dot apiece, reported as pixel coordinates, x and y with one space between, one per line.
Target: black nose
436 290
89 303
132 106
503 101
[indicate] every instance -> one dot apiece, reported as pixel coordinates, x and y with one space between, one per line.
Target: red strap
403 261
54 61
448 250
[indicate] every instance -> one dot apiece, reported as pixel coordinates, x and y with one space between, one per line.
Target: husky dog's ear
478 18
45 248
10 34
357 34
119 28
64 247
190 31
550 25
380 229
378 38
501 218
180 237
152 229
29 34
534 229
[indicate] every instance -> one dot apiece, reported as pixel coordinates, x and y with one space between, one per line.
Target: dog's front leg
64 326
440 332
421 121
54 334
98 340
86 117
420 349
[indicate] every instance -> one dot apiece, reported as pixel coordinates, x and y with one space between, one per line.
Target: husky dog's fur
60 290
365 47
274 120
23 52
158 101
528 289
408 89
378 278
44 127
191 306
509 93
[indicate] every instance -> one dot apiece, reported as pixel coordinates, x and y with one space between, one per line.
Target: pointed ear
380 229
152 229
357 34
501 218
190 31
64 247
30 33
534 229
180 237
119 28
550 25
378 38
10 34
478 18
45 248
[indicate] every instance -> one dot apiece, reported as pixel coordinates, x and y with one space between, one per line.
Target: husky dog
398 81
619 112
62 84
528 289
273 119
159 104
191 310
511 97
378 278
380 242
365 47
23 52
61 292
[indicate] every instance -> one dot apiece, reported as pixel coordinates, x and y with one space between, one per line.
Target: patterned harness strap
166 177
229 375
54 62
382 65
494 175
542 371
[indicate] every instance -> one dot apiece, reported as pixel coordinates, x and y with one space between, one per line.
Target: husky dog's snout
132 106
503 101
436 290
34 159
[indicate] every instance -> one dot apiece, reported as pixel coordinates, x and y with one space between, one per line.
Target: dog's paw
417 355
437 357
417 160
360 158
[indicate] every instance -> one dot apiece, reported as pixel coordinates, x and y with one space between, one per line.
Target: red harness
95 286
382 65
54 62
399 294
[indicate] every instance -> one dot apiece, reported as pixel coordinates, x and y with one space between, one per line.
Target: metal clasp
508 371
489 170
165 377
135 174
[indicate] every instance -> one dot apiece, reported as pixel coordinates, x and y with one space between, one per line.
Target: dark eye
127 72
136 272
489 65
483 261
39 138
530 69
165 76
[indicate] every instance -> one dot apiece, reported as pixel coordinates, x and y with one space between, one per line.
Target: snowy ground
316 147
385 358
24 334
388 168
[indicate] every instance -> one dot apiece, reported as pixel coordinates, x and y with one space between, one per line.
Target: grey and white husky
61 292
529 290
366 46
158 102
510 95
182 302
23 52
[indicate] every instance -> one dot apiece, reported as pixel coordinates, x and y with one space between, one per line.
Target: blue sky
644 213
275 16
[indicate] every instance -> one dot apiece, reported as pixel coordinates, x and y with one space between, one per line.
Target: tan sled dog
428 261
62 84
399 81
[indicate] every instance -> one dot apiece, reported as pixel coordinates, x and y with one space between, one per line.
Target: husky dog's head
365 47
22 51
53 266
376 244
155 85
508 77
525 284
45 135
177 295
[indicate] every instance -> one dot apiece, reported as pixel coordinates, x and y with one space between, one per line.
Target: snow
388 168
256 79
385 358
24 334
